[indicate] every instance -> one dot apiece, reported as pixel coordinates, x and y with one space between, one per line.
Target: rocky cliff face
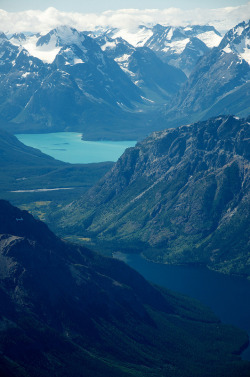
64 310
181 196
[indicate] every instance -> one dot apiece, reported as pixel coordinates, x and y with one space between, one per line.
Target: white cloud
43 21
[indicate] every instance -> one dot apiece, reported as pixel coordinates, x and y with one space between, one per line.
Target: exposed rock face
67 311
181 195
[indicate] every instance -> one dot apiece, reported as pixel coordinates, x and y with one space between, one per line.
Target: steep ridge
152 76
68 311
179 196
157 80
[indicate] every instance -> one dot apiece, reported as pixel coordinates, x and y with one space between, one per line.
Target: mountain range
179 46
219 84
80 87
179 196
67 311
117 85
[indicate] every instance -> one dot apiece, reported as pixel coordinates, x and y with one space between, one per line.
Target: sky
44 15
97 6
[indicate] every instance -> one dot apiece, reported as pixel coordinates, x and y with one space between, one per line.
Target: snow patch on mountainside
176 47
243 49
237 41
71 58
136 38
46 52
46 47
109 45
24 75
210 39
122 58
128 72
227 50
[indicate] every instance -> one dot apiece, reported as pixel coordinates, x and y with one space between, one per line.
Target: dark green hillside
66 311
179 196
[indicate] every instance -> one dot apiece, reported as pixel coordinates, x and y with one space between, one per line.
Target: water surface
69 147
227 296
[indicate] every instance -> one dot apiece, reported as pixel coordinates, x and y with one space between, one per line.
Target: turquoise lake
69 147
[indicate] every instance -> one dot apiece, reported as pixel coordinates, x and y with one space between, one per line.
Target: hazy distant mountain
179 196
136 36
76 85
21 76
157 80
66 311
64 81
181 47
113 83
220 82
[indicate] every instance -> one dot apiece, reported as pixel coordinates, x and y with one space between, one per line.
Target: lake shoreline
194 264
226 295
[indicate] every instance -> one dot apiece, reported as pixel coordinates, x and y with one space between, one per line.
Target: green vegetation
180 196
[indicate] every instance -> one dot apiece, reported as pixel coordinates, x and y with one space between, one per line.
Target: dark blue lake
227 296
69 147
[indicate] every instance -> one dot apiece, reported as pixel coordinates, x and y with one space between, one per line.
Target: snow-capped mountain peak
237 41
47 46
18 38
62 35
136 37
